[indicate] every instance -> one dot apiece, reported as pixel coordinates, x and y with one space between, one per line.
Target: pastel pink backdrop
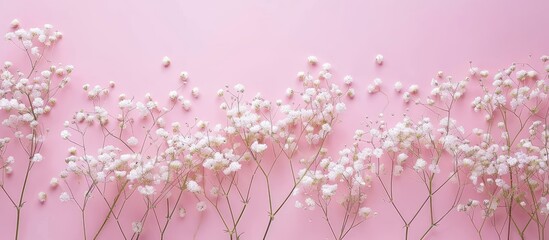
262 44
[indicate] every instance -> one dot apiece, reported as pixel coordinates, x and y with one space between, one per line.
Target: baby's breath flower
166 61
64 197
313 60
379 59
15 23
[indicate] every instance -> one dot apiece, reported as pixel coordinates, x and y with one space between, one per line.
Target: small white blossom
348 80
258 148
233 167
182 212
365 212
313 60
15 23
146 190
379 59
289 92
54 182
413 88
184 76
65 134
193 186
195 92
37 157
132 141
239 88
42 196
328 190
166 61
201 206
137 227
64 197
173 95
420 164
326 66
310 203
398 86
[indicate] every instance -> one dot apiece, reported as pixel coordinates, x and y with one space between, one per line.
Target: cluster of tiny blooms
140 152
508 156
27 94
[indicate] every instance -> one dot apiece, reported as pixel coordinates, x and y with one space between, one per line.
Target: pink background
262 44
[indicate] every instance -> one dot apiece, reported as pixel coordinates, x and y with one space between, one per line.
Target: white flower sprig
507 160
261 134
140 156
25 98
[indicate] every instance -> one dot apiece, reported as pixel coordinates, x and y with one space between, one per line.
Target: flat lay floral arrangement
141 166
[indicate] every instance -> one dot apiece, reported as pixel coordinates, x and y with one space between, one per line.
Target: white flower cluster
525 90
34 39
510 157
347 172
5 162
25 97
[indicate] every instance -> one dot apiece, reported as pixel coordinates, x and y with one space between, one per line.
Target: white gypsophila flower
351 93
186 105
176 164
379 59
289 92
220 92
378 152
42 196
146 190
166 61
125 103
132 141
15 23
233 167
258 148
313 60
406 97
239 88
365 212
413 88
65 134
377 82
193 186
402 157
328 190
372 88
201 206
398 86
348 80
137 227
173 95
310 203
195 92
420 164
184 76
326 66
340 107
434 168
182 212
37 157
64 197
54 182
